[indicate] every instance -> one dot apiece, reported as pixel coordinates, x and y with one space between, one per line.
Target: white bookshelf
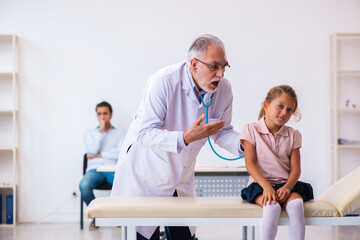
344 103
8 124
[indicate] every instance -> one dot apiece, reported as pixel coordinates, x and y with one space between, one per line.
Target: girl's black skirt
253 190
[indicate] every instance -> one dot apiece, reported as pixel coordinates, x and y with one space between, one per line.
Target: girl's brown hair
276 92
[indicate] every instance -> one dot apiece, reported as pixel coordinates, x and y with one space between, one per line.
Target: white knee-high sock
269 222
295 210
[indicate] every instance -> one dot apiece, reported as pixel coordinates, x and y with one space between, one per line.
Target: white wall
73 54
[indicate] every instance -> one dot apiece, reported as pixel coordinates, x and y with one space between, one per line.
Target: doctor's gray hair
200 45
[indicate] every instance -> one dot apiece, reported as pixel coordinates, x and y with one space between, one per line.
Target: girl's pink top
272 151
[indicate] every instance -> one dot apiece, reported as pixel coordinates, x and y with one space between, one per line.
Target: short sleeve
248 134
297 140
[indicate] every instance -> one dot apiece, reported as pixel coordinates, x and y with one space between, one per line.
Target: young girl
272 158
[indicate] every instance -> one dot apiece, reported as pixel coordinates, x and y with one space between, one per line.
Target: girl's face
278 111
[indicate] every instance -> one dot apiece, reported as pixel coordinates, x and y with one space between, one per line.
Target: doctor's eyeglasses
214 68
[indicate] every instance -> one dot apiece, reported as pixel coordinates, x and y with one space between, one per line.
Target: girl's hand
269 195
283 194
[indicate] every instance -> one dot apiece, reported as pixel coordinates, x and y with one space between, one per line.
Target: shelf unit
8 125
344 103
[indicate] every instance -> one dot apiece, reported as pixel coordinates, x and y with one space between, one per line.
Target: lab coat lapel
187 87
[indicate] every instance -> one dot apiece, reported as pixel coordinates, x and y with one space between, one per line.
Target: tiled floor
71 231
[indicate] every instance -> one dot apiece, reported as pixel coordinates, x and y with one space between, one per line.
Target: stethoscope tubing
206 121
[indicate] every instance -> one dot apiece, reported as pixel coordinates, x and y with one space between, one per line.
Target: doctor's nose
220 72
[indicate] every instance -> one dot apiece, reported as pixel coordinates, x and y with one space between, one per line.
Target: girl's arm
269 193
284 192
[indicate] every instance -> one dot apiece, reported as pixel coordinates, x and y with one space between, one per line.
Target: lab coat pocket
155 169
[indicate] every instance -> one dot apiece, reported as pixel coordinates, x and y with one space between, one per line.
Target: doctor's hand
199 131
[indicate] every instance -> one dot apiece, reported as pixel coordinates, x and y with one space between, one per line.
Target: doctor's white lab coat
155 165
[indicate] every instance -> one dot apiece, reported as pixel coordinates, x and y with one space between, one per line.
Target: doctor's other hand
199 131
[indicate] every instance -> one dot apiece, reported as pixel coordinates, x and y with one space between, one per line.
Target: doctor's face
208 70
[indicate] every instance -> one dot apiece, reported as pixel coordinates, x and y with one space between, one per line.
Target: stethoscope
206 121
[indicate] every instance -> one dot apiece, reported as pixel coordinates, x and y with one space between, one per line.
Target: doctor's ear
193 64
193 68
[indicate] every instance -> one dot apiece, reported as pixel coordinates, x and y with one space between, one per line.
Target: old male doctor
159 152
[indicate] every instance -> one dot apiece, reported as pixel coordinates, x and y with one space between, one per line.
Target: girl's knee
273 208
296 202
292 197
296 205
